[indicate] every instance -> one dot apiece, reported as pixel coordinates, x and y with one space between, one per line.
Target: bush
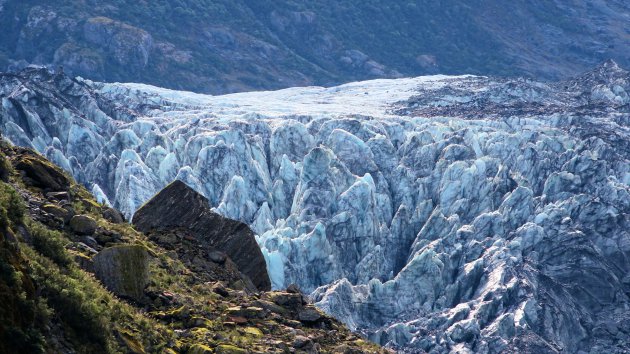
77 302
11 206
50 244
5 168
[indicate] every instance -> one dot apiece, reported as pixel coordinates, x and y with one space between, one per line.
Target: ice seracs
437 214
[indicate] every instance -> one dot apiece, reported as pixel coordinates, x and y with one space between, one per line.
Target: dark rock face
178 206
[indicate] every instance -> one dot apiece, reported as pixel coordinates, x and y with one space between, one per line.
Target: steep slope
220 46
60 251
433 213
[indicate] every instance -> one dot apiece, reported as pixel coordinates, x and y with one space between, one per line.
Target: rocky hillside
437 214
75 278
219 46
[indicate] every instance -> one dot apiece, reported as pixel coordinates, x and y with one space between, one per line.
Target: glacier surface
433 214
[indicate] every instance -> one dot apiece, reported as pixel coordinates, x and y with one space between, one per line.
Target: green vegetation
50 301
49 243
42 290
11 206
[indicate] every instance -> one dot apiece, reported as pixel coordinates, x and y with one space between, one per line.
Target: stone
42 174
199 349
84 262
253 331
288 300
124 270
83 224
57 211
58 195
217 257
90 241
247 312
309 314
114 216
302 342
104 237
271 307
240 320
229 349
82 247
219 288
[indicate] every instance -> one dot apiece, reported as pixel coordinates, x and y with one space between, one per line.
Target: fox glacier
434 214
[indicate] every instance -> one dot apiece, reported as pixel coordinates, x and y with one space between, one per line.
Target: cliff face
75 278
221 46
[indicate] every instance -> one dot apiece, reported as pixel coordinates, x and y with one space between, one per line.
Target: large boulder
178 206
124 270
83 225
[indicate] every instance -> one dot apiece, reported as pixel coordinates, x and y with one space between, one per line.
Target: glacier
433 214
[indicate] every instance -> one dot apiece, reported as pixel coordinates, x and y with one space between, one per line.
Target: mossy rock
57 212
197 321
132 343
200 349
253 331
270 306
230 349
180 313
124 270
43 174
83 224
112 215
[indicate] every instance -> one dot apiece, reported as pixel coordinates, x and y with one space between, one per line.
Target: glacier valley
435 214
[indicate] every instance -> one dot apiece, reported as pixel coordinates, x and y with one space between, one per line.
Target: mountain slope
74 278
219 46
435 213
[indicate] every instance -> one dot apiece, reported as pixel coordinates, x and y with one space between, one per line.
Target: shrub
5 168
50 244
76 301
11 206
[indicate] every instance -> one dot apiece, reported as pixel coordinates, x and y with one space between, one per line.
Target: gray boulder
124 270
83 224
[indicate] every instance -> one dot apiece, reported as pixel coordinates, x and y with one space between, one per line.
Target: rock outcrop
179 207
127 45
